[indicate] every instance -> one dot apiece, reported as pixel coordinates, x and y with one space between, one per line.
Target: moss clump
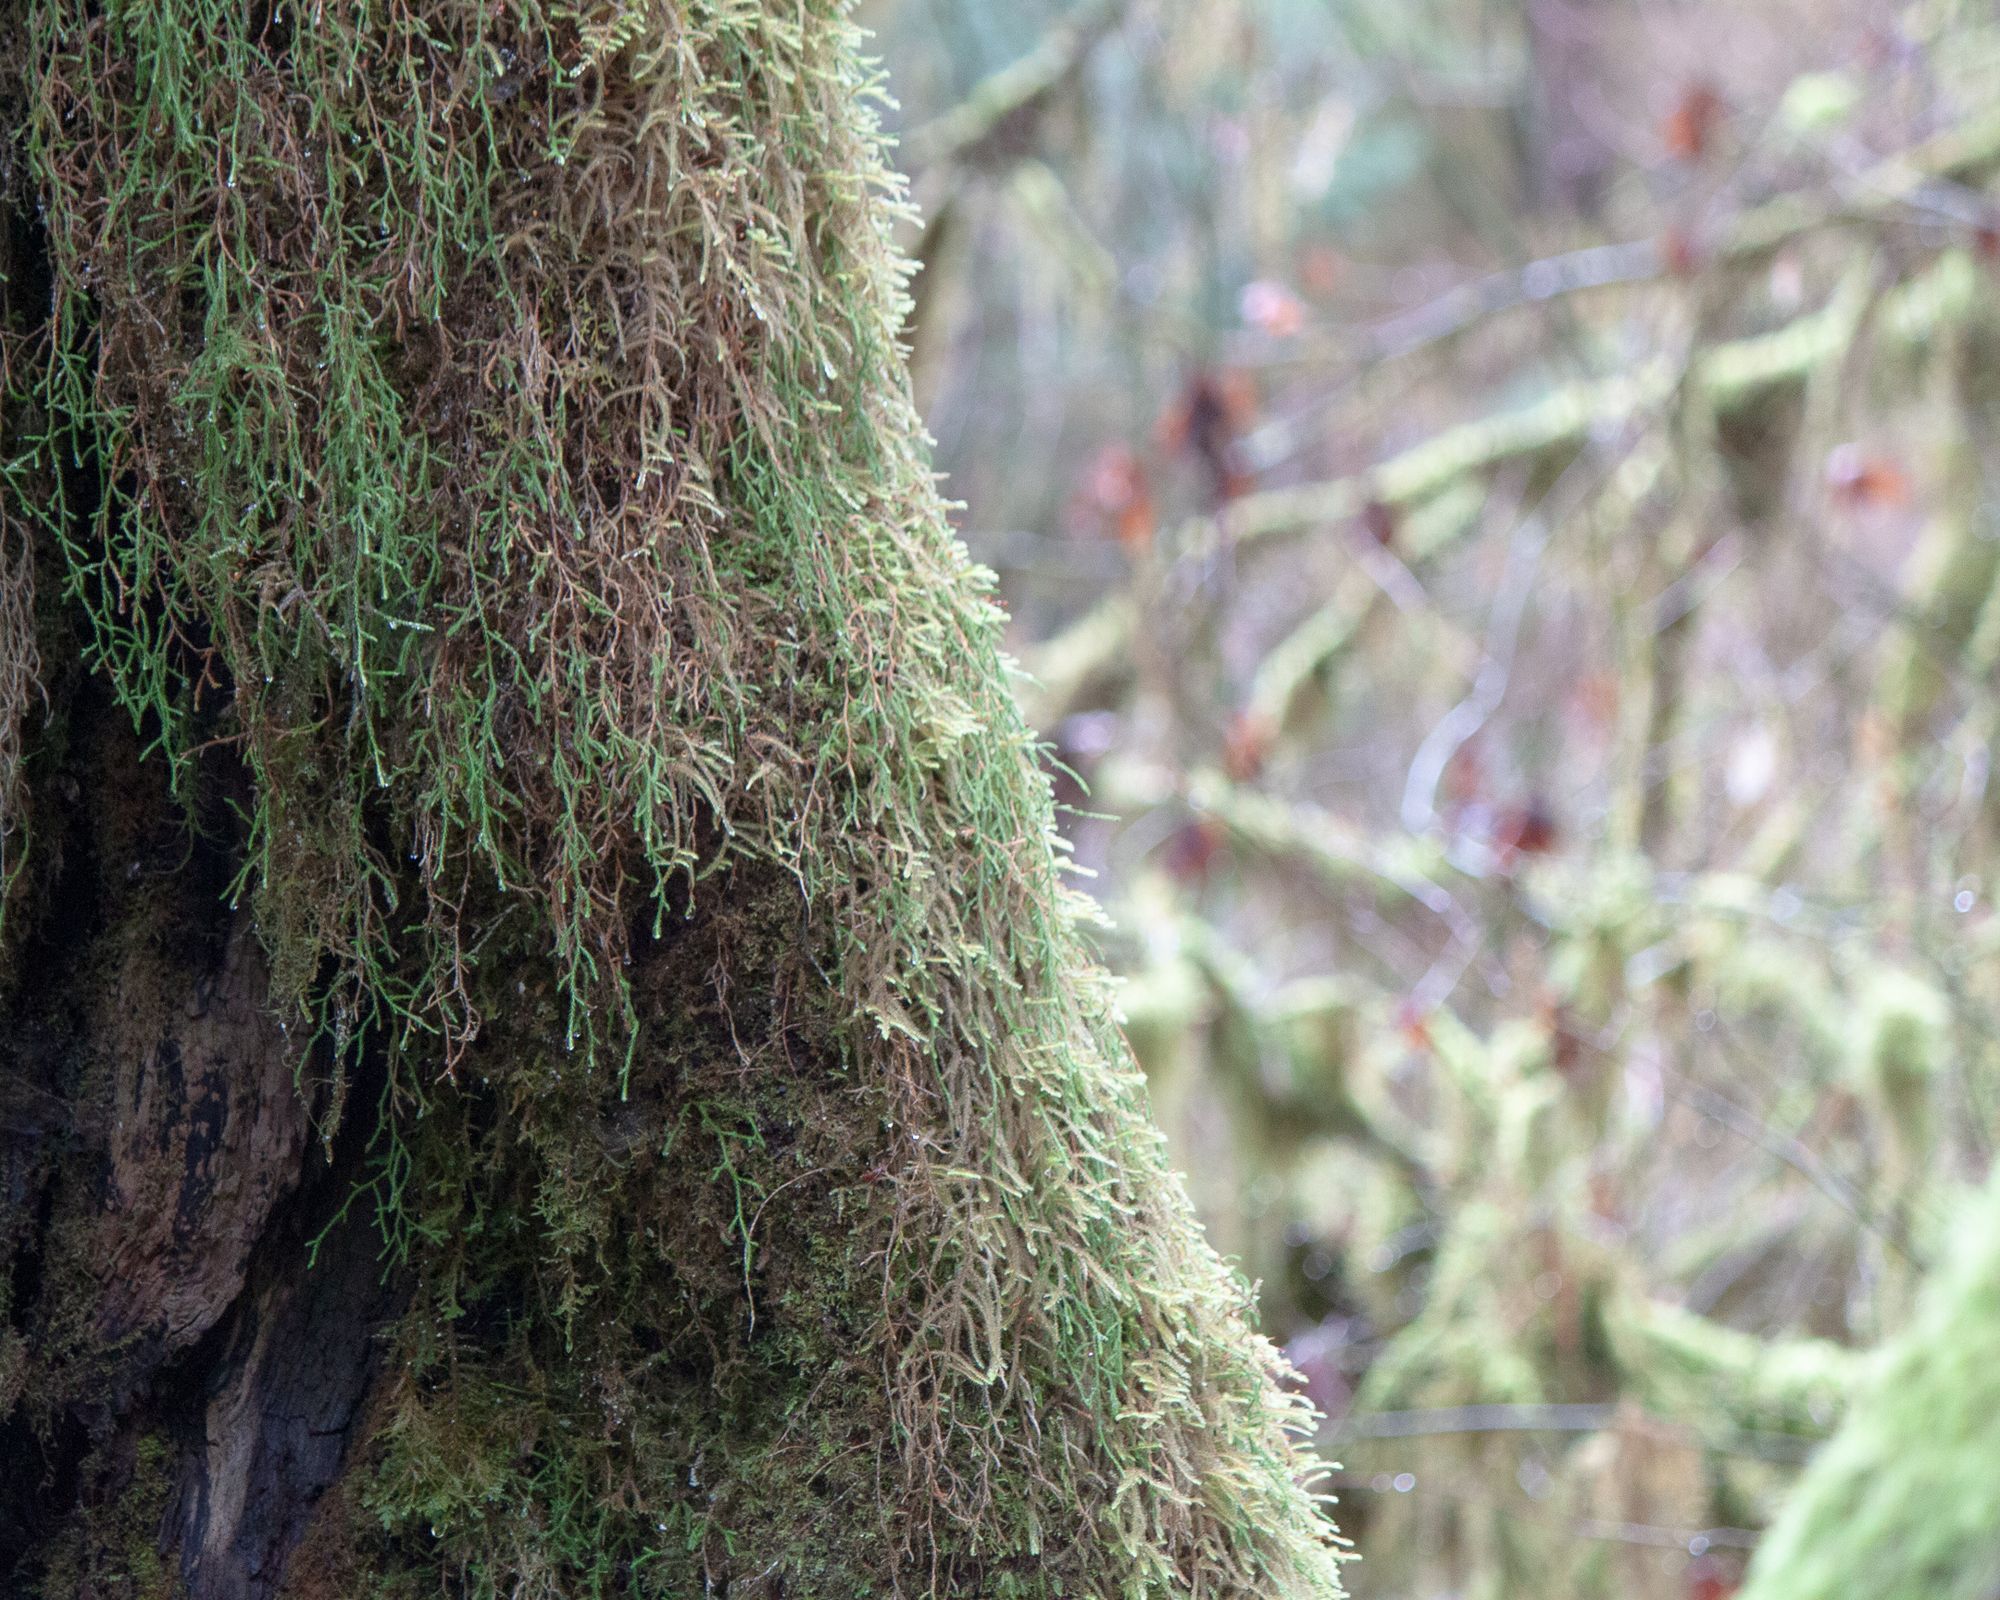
112 1550
486 422
1904 1503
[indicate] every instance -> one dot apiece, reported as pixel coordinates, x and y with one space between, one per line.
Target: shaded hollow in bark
184 1387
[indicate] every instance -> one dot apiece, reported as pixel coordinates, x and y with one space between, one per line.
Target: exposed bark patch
280 1402
177 1387
210 1138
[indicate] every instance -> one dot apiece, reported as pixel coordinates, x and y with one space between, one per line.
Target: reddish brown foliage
1116 496
1247 746
1859 481
1690 128
1205 422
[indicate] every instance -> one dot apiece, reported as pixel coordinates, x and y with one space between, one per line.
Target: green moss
1904 1503
1900 1045
487 422
1688 1366
112 1550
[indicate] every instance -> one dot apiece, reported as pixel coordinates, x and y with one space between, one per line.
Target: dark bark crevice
270 1404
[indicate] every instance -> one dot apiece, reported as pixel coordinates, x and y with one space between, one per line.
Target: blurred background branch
1496 499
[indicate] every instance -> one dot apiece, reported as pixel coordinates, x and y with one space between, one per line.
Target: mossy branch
1903 1504
996 119
1731 378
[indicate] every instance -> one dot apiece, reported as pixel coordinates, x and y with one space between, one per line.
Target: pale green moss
1904 1503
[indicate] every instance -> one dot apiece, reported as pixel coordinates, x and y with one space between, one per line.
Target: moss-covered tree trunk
543 1051
1903 1503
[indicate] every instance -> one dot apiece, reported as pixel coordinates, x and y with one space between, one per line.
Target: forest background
1496 503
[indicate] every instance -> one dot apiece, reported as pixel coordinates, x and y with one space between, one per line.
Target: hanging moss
485 424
